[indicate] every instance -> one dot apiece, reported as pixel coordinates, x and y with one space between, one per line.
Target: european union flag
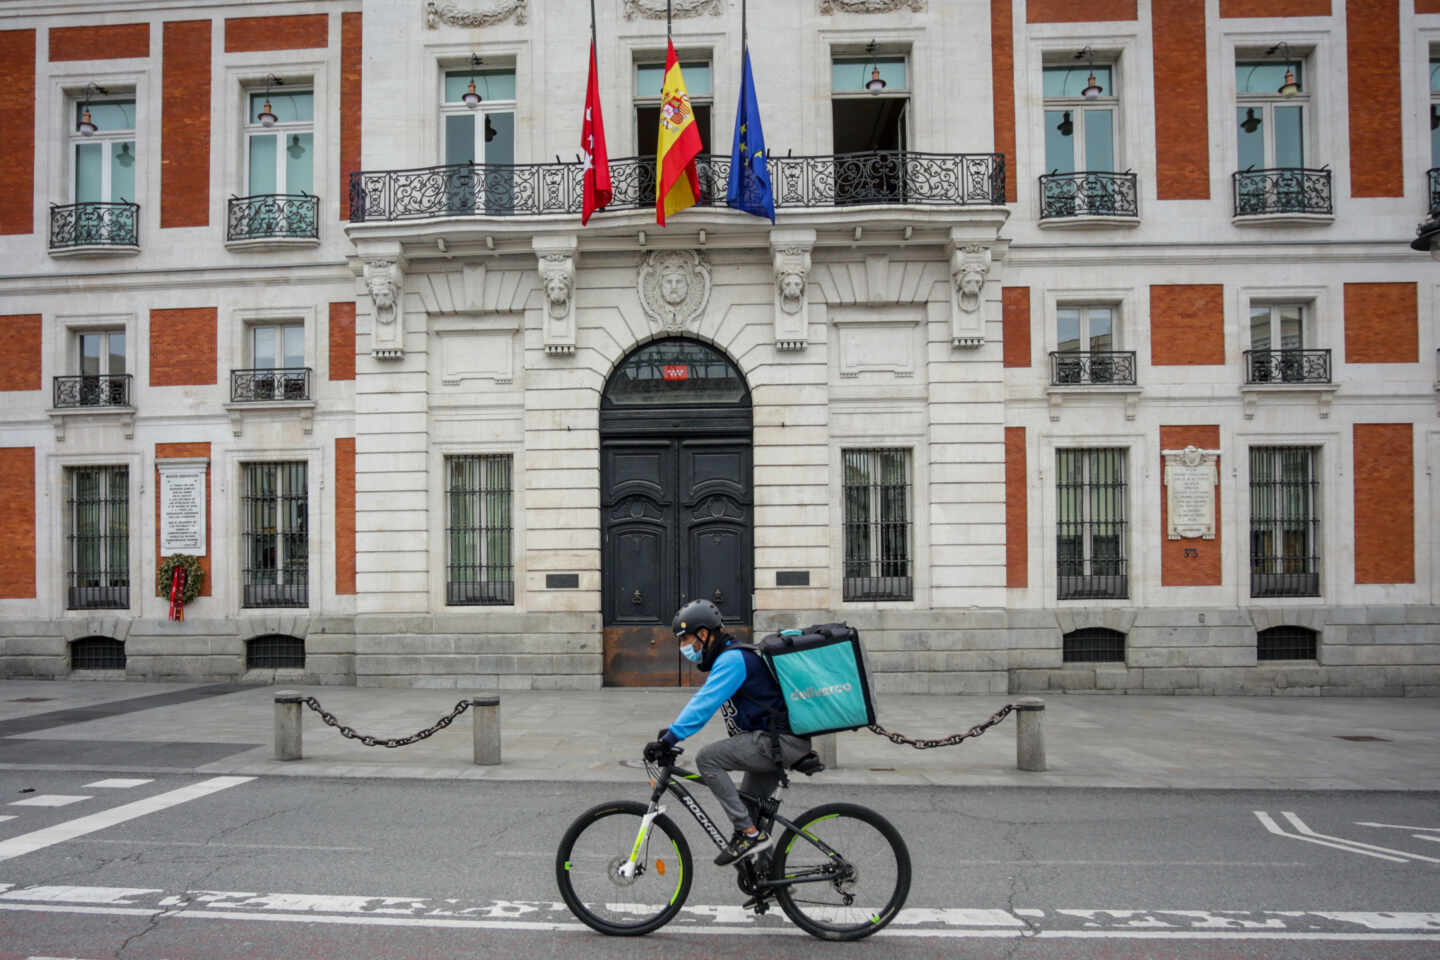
750 189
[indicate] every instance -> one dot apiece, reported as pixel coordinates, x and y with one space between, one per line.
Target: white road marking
1425 836
1299 825
39 839
225 846
7 816
1393 826
117 783
1269 824
48 800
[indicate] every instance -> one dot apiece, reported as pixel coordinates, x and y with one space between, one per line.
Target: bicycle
849 855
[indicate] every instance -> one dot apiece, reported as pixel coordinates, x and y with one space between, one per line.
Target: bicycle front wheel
590 869
849 896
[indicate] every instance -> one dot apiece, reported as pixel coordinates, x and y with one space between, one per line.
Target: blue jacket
741 686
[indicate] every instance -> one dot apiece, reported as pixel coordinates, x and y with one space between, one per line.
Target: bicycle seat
810 764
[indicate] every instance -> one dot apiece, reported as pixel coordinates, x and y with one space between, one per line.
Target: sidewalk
1266 743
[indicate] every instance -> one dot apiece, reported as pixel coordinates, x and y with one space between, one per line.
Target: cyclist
754 710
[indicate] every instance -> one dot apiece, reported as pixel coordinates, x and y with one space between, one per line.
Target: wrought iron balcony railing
535 189
269 383
1110 367
1088 194
107 390
1283 190
273 216
1287 366
1433 175
94 225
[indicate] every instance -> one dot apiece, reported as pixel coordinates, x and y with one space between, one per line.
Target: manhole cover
1364 739
31 699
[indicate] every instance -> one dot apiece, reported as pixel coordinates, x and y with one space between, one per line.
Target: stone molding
680 9
870 6
453 14
791 252
385 283
672 306
969 268
555 261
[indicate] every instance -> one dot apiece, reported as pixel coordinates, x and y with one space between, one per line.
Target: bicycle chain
369 741
949 741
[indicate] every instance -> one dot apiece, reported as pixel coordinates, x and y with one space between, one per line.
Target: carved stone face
792 286
381 290
972 278
674 285
557 289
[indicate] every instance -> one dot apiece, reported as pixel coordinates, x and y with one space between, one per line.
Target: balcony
270 383
1090 198
541 189
94 229
1305 372
108 390
1284 196
272 220
1089 376
1432 176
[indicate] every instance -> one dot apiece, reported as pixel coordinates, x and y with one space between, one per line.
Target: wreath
194 576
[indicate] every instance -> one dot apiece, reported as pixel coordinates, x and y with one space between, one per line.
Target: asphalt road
186 866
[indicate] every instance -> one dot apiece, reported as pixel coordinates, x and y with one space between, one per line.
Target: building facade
1087 350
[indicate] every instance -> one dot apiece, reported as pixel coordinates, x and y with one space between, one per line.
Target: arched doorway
675 502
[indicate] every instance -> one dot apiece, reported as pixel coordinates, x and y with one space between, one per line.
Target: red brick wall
244 34
350 94
185 125
1382 323
1176 569
1015 329
17 146
1187 324
17 523
176 451
1384 503
100 42
1071 11
1427 6
1002 77
1017 510
183 347
20 360
345 515
1373 47
342 340
1182 133
1274 8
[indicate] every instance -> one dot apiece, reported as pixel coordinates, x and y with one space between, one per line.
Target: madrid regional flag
677 185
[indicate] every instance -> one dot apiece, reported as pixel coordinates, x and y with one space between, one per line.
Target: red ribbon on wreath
177 593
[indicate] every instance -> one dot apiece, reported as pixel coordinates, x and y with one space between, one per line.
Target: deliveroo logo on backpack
810 693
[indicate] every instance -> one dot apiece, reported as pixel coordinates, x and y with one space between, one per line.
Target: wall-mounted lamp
874 84
1092 89
1289 87
86 126
1251 123
267 116
1065 126
470 96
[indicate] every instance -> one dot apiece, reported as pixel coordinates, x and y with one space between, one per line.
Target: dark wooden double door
676 519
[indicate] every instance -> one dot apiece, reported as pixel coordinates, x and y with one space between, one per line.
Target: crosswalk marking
6 816
48 800
117 783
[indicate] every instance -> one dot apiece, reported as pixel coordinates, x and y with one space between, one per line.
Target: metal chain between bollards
949 741
369 741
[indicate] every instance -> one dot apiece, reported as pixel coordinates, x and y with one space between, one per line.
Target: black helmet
693 616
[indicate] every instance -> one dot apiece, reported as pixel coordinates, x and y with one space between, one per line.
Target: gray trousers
751 752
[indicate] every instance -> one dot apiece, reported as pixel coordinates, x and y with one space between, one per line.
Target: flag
677 185
595 193
749 175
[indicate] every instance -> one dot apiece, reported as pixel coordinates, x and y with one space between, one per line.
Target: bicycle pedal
757 903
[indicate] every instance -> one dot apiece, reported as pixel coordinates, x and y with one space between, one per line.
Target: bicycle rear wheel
588 862
850 898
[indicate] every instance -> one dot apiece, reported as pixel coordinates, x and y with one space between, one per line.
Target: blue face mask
692 654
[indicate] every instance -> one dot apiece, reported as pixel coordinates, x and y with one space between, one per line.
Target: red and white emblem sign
677 371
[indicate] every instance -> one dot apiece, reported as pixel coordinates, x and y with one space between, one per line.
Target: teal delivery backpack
823 674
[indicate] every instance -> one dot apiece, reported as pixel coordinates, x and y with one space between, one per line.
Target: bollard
825 748
1029 734
287 724
487 729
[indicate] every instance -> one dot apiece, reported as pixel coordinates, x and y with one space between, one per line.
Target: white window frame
107 138
874 511
1265 104
280 326
56 546
1317 464
311 575
1126 539
438 514
480 111
688 57
1078 106
77 351
482 558
1274 305
841 52
1332 452
1433 65
251 128
1140 501
71 525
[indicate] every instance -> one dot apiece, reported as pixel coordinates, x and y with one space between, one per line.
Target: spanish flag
677 185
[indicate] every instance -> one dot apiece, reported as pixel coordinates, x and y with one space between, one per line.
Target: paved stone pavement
1091 741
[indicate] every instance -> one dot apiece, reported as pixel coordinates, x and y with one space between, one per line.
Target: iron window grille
275 651
877 524
1089 194
1282 190
1094 645
1284 522
480 568
272 216
97 517
269 383
274 507
97 653
1091 534
1286 643
102 390
1287 366
1076 367
94 224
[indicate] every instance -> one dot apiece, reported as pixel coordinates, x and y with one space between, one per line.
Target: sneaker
744 845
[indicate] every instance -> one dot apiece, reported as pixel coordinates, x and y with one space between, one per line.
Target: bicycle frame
664 779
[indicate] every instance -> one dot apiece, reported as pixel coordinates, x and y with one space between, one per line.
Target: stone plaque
182 509
1190 478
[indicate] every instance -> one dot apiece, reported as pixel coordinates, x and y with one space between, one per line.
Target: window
1090 545
1277 346
1284 523
866 120
274 510
97 520
1286 643
1270 127
650 80
1434 112
1085 346
480 568
877 520
1094 645
97 653
277 351
1079 130
102 179
275 651
480 133
100 361
280 158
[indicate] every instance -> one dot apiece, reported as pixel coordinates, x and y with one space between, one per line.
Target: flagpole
667 19
744 37
592 21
